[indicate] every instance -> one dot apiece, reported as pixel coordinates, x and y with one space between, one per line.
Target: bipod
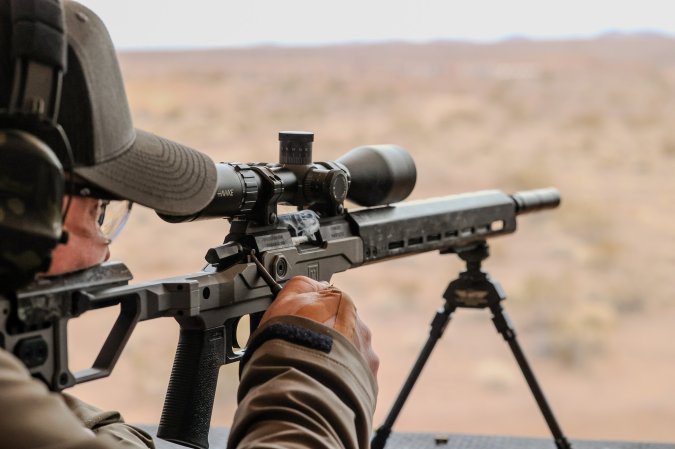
473 289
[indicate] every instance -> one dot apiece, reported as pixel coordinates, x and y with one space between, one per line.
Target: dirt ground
590 284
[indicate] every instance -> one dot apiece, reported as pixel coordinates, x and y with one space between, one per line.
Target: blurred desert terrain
590 284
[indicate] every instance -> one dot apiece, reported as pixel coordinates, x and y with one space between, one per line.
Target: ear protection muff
32 144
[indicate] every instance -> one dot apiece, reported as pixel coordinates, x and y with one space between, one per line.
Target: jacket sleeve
304 386
32 417
109 423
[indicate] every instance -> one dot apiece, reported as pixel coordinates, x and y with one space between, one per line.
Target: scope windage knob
326 185
295 147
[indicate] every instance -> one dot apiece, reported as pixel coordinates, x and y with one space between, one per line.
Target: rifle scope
369 176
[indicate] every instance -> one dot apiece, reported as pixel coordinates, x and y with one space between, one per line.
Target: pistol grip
186 416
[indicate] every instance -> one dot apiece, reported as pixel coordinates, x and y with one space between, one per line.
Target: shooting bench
403 440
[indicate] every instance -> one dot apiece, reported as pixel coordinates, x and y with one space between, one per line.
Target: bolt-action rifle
262 251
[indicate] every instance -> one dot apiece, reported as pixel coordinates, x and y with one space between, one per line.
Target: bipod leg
505 328
438 325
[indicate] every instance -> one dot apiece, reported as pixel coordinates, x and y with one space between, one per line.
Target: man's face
87 246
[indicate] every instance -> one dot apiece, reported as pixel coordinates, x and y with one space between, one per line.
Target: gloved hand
328 305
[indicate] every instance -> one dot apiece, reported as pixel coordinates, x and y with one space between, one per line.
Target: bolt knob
295 147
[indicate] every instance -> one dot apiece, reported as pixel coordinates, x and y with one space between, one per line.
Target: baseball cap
108 151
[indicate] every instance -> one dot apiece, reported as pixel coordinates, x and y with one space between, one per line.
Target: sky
157 24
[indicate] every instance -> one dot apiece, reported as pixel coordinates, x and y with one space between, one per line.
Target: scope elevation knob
295 147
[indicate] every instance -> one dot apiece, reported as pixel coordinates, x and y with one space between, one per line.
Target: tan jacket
31 417
293 396
290 396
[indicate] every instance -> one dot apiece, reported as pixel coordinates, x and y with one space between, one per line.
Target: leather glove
328 305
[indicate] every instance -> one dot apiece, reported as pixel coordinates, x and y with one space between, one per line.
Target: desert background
590 285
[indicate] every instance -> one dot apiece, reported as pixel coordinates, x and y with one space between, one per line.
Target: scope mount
321 187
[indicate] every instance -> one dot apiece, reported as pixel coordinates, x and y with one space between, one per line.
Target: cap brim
157 173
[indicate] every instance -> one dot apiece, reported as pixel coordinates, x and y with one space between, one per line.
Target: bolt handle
267 277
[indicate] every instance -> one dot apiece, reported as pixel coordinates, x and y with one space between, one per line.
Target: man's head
108 153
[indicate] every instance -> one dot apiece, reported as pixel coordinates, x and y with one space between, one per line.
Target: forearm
34 418
110 424
292 395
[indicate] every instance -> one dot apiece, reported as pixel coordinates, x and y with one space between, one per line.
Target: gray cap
108 151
